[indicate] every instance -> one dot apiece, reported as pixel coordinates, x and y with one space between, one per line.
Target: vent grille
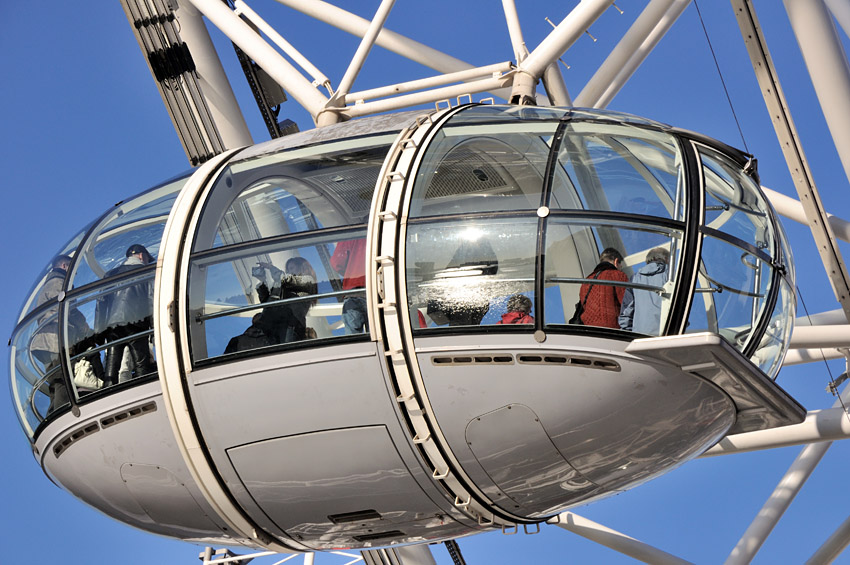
463 171
571 360
74 437
134 412
379 535
359 516
479 359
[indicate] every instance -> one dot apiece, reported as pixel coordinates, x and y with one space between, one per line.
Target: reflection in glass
464 273
275 294
137 221
773 345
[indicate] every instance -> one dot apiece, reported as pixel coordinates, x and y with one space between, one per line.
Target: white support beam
375 27
563 36
492 71
784 493
514 30
801 356
832 547
821 336
319 78
555 86
215 88
355 25
642 37
776 505
820 425
792 209
428 96
614 539
841 11
264 54
792 149
828 68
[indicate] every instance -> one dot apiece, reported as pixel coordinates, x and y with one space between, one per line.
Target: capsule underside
330 322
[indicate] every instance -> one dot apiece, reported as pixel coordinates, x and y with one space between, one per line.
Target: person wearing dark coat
252 338
285 323
125 312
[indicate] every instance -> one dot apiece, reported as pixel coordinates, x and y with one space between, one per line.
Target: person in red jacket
519 307
602 301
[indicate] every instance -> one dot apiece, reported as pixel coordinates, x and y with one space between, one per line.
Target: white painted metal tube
264 54
642 37
776 505
784 493
801 356
365 46
792 209
820 425
563 36
514 30
832 547
828 68
416 98
355 25
293 53
215 87
430 82
829 318
555 87
821 336
841 11
614 539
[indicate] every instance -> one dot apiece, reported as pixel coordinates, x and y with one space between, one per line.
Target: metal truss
209 121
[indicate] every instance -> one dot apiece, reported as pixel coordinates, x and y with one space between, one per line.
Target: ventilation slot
485 359
359 516
379 535
575 361
74 436
128 414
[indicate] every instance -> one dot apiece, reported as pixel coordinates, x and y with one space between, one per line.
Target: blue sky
84 127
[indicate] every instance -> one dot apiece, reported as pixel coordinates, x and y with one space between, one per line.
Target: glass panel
733 202
38 386
139 221
282 293
488 113
620 169
483 168
297 191
731 291
110 331
774 343
469 273
633 296
37 296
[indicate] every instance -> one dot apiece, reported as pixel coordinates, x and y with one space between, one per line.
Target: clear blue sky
83 127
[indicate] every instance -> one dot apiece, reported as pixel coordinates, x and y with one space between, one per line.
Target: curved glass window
296 191
774 343
466 273
619 168
139 221
284 263
38 295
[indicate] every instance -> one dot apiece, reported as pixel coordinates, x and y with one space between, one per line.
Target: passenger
286 323
641 311
519 307
465 305
602 302
349 260
45 343
126 312
252 338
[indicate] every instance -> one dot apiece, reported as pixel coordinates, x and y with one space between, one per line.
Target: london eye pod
361 335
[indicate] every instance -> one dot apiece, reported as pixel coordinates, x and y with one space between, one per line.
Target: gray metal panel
615 427
165 498
299 481
518 456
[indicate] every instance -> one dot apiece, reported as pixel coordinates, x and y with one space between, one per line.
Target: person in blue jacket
641 309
